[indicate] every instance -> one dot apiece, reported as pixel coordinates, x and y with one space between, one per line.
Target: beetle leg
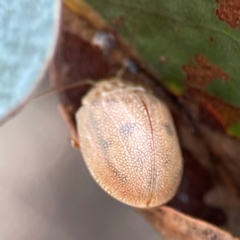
75 143
73 137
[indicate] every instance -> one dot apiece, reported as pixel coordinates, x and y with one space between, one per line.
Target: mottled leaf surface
194 46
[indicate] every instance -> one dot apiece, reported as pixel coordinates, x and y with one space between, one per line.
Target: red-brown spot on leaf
229 12
201 74
211 110
214 110
207 109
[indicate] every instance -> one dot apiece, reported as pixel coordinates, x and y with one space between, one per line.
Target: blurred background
46 192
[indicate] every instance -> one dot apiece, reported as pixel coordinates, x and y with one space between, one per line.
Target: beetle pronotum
129 143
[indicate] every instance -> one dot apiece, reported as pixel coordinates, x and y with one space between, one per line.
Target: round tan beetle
129 143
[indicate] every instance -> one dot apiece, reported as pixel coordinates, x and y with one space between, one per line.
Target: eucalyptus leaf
170 34
28 35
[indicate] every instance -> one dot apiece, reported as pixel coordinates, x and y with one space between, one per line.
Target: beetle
129 143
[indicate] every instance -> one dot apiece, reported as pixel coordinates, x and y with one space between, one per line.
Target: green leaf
235 130
177 31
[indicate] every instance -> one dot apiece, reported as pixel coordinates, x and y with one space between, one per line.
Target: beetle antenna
65 87
119 73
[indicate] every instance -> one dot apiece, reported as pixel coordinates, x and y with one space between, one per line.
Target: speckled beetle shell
129 143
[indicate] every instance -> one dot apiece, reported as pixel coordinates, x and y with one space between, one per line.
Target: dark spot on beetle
105 144
127 129
229 12
168 129
105 147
